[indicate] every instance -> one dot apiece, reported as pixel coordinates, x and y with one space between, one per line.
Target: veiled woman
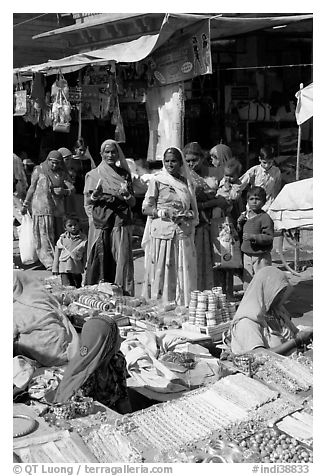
108 199
170 255
262 321
205 184
98 369
50 184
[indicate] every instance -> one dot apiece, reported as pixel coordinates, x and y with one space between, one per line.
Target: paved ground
301 300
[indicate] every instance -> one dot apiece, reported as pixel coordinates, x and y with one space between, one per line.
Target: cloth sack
26 241
226 244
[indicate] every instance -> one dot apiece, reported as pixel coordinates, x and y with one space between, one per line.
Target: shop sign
183 58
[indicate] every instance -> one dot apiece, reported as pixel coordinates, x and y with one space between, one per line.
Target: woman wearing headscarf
41 330
168 241
205 185
220 154
98 369
50 185
262 321
108 199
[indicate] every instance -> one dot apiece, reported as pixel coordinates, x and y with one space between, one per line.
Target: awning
140 48
304 109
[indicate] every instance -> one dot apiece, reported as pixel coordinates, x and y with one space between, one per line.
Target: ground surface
300 304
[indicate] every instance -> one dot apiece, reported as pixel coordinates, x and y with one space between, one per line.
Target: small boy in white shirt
265 175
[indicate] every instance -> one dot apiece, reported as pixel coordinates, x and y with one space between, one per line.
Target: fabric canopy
304 107
293 206
140 48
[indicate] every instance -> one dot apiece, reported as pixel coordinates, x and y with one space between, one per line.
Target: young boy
265 175
257 229
70 254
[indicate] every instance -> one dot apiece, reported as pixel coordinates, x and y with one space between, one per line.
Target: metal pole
297 176
297 171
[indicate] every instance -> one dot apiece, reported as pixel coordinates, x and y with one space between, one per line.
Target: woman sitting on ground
262 321
98 370
42 332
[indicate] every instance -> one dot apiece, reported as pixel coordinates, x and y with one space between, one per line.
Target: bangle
126 197
154 213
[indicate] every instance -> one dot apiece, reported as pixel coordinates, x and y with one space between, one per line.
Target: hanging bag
226 244
61 113
26 241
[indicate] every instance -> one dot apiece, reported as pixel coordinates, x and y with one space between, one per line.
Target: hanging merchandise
59 84
20 103
47 112
226 244
20 99
61 113
119 133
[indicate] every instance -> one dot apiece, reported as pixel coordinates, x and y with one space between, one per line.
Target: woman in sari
220 154
50 184
170 255
98 369
108 201
41 330
262 321
205 184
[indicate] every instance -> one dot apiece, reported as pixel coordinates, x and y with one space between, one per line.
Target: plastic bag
226 244
26 241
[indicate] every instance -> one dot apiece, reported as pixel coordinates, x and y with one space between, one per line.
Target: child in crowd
70 254
265 175
257 230
224 233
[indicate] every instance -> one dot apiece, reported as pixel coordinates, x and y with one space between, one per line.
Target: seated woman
262 321
98 370
170 255
41 330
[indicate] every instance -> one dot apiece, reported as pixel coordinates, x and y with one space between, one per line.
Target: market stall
267 418
251 408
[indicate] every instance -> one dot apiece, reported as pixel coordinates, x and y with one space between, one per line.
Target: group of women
176 239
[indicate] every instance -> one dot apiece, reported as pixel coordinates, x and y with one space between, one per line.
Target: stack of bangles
126 197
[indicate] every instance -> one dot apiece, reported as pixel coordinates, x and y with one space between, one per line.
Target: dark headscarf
57 179
99 342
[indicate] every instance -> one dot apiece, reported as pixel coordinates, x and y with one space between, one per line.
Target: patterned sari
170 255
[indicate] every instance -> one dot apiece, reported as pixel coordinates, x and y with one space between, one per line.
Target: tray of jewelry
271 445
282 373
299 425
